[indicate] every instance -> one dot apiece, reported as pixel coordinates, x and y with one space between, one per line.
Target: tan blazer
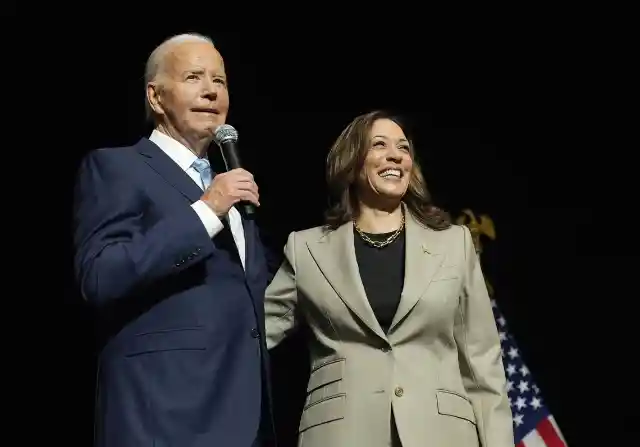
439 368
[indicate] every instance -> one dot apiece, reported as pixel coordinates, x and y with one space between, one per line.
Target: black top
382 274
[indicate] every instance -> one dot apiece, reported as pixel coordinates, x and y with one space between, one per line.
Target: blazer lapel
335 256
422 261
167 169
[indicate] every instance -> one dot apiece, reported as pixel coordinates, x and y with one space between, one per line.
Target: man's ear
154 97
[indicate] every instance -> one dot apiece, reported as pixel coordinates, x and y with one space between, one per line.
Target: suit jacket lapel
168 169
175 176
422 261
335 256
250 242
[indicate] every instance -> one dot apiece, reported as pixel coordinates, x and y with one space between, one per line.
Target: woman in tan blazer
404 347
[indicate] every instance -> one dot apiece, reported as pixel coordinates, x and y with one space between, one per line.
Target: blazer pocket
456 405
323 411
180 339
326 373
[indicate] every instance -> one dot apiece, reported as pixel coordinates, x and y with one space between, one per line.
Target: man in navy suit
176 273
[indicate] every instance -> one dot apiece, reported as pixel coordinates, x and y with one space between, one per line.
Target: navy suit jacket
184 363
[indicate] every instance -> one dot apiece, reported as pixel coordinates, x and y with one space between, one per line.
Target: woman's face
387 168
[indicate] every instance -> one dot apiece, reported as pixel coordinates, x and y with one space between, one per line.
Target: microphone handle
249 208
232 160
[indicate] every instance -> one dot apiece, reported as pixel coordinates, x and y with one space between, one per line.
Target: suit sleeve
480 355
117 252
281 298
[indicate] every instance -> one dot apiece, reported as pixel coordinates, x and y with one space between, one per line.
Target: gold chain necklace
383 243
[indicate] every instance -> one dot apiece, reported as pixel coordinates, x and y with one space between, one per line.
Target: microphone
226 137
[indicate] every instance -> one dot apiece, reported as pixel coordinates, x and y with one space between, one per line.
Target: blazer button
255 333
399 391
386 349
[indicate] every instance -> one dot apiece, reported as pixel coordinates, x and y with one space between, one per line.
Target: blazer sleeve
480 356
281 298
117 251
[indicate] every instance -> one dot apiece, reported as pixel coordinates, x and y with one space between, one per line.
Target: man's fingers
240 173
250 196
247 186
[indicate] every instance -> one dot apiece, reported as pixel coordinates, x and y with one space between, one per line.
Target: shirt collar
177 151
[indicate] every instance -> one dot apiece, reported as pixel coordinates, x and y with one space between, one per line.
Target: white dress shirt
185 158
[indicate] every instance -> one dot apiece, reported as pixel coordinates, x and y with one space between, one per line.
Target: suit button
255 333
386 349
399 391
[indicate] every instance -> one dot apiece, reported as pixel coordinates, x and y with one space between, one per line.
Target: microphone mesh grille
225 132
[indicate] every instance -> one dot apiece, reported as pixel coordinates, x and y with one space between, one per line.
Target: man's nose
209 91
211 95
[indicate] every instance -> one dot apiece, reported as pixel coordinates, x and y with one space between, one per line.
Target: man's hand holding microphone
235 185
229 188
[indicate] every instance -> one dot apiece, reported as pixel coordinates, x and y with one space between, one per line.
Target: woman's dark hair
346 159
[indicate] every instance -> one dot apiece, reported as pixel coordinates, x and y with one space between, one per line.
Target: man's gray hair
156 60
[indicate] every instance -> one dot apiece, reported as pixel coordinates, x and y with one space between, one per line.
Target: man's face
190 92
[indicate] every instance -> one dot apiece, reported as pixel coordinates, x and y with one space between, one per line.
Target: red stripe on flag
521 444
548 433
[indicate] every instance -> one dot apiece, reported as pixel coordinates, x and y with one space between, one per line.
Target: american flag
533 424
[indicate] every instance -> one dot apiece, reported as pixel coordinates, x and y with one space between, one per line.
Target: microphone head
225 133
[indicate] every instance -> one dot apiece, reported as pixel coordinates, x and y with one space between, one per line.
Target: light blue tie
204 169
